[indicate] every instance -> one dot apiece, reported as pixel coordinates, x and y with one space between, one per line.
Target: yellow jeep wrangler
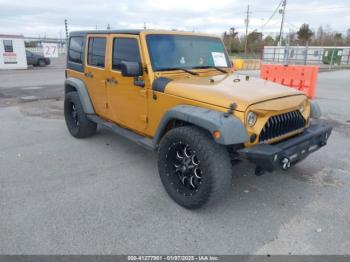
175 93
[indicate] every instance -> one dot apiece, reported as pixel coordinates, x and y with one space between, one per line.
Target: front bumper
284 154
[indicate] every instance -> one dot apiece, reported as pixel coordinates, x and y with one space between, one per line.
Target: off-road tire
81 126
41 63
214 161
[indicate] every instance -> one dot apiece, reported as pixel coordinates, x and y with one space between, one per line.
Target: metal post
332 57
286 55
306 52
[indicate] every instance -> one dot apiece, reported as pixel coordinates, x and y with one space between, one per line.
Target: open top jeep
174 92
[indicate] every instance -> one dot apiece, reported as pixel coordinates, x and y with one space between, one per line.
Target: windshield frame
176 68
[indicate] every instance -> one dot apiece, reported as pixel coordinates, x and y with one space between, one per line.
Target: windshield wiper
215 67
179 68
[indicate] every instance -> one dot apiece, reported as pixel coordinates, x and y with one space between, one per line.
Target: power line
272 15
307 10
292 25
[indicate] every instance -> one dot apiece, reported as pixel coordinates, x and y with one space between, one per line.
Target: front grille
282 124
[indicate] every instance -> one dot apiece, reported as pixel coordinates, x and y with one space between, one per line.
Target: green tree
338 38
233 33
305 34
255 43
231 41
347 40
269 41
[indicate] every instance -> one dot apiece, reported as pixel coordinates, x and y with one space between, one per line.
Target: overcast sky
34 18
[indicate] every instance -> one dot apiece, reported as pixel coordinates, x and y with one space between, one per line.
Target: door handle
111 81
89 74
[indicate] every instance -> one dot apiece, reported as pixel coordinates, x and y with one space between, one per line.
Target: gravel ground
60 195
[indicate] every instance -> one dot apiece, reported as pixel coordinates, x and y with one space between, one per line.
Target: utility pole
144 25
246 31
284 4
108 27
66 27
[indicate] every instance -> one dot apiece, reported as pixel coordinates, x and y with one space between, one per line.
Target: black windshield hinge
230 110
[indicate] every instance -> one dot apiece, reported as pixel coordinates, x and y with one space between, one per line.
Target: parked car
36 59
175 93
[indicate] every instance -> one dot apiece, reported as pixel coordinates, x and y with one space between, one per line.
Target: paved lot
103 195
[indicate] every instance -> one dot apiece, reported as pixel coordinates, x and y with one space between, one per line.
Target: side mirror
131 69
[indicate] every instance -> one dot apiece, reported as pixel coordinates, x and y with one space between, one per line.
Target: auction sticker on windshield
219 59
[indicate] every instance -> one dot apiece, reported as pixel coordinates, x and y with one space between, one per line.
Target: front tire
77 123
193 168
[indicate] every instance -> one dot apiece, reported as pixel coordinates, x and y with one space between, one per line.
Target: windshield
170 52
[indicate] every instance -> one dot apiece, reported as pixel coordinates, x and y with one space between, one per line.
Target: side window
96 51
76 50
8 46
125 49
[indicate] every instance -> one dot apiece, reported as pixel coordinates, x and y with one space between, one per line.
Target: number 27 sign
50 50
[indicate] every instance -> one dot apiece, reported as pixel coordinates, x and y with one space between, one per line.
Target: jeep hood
223 90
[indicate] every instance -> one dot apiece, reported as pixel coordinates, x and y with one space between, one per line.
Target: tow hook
285 163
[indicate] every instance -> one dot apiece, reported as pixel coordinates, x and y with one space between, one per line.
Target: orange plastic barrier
303 78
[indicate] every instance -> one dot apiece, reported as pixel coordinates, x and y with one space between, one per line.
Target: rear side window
96 51
76 49
8 46
125 49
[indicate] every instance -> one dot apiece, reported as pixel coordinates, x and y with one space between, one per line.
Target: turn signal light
216 134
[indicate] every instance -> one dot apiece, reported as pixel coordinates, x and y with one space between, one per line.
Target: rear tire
76 120
194 169
41 63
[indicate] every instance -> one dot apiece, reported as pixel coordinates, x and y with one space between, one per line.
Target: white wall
18 55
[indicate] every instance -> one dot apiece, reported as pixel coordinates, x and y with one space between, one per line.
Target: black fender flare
231 128
80 87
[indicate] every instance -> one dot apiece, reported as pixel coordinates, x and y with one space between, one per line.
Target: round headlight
302 109
251 118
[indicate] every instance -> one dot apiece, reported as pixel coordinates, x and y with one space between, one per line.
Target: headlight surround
303 106
251 118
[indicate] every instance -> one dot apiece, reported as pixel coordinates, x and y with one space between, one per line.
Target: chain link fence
40 50
329 57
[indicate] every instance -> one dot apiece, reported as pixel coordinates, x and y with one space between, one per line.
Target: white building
12 52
